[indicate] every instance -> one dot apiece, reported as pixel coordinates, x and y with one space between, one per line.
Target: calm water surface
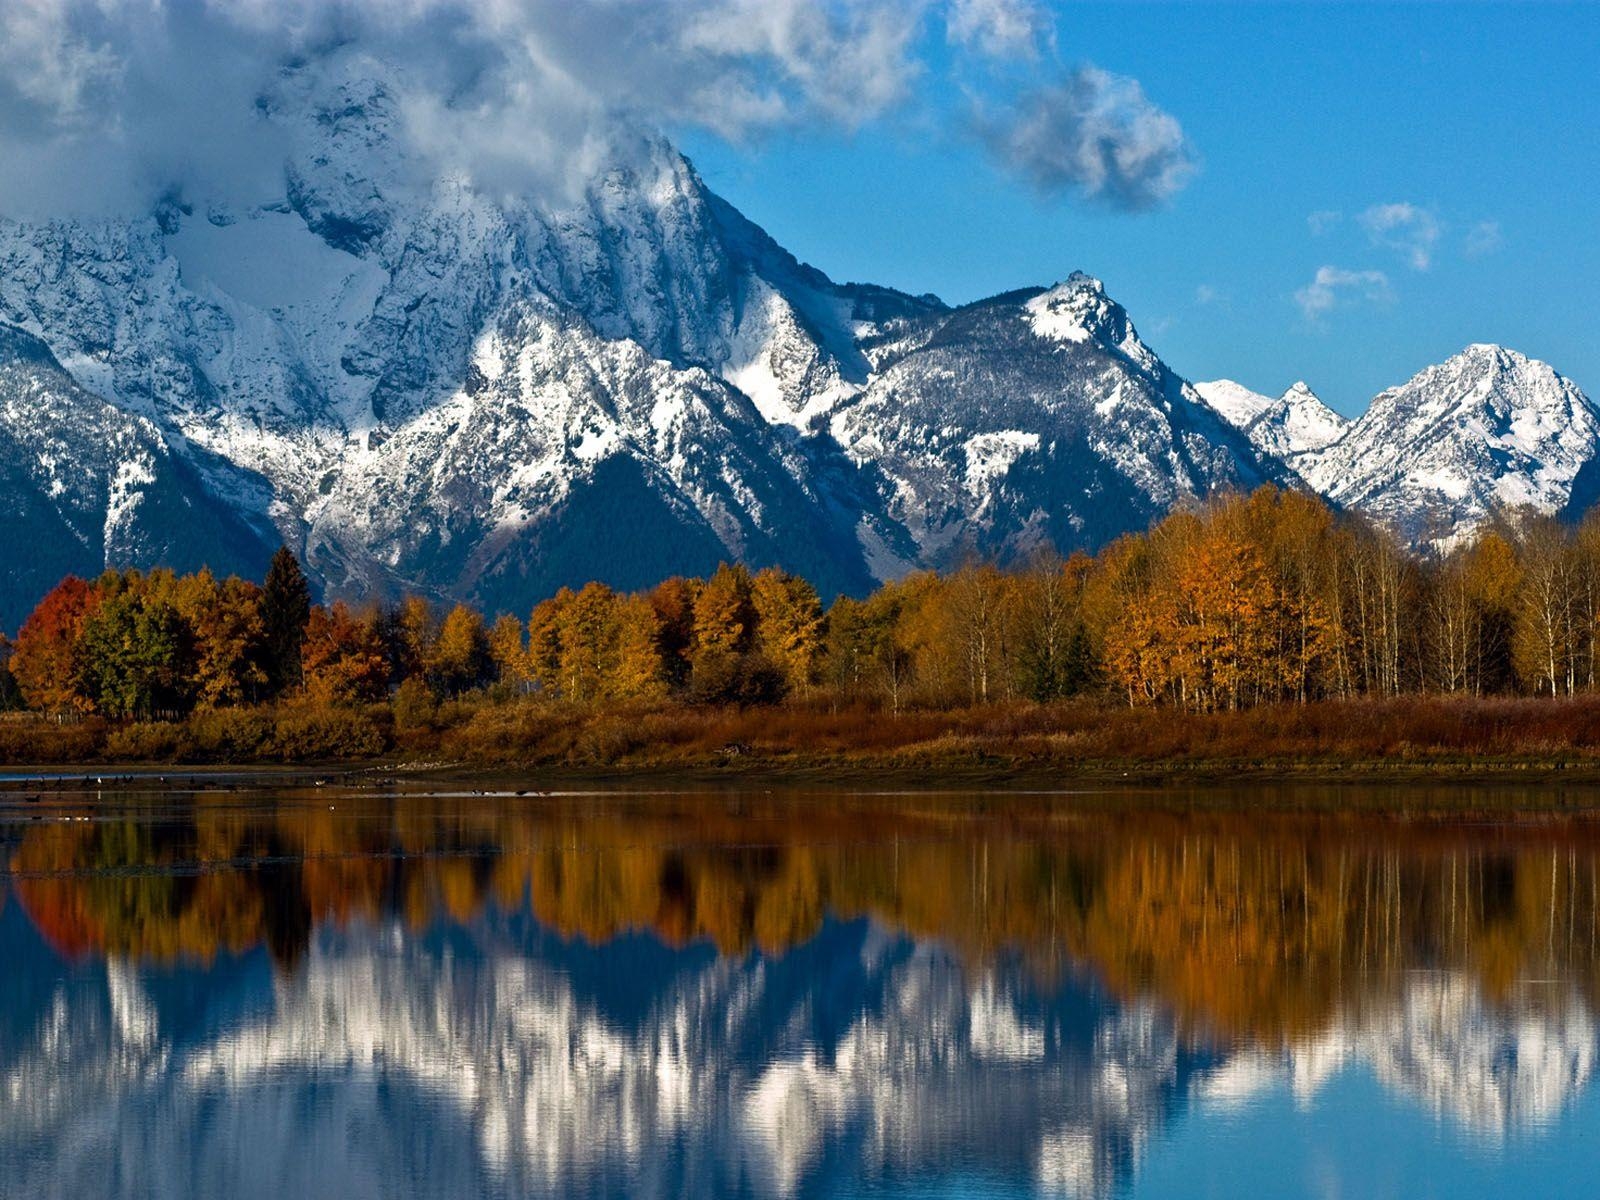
215 988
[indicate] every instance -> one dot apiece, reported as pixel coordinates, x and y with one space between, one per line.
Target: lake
260 986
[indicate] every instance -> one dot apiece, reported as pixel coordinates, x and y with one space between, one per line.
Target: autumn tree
45 661
724 633
418 631
544 642
639 670
459 657
789 625
343 659
230 649
587 631
673 601
508 654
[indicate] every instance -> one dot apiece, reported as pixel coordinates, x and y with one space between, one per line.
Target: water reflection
355 995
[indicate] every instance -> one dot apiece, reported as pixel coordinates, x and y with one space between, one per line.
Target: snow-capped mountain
1293 424
428 386
83 484
1037 416
1487 429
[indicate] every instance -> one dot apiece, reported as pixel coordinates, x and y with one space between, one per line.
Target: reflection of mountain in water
454 998
1491 1068
521 1064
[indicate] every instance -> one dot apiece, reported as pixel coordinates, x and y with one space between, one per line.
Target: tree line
1246 600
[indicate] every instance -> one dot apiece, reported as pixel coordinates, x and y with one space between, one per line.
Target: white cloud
105 103
1333 286
1404 228
1321 221
998 28
1095 134
1483 238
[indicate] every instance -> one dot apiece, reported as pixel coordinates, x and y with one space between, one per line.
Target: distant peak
1239 404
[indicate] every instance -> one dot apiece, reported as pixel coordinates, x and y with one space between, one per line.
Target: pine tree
285 609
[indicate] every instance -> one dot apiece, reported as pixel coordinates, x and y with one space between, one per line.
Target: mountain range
425 386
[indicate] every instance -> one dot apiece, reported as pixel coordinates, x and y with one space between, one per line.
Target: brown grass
1406 732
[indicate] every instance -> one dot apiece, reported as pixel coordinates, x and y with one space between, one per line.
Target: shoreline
794 775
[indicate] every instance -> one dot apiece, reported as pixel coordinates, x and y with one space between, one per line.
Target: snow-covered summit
1487 429
1234 401
1291 425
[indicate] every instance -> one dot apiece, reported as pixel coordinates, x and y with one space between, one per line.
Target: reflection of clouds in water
383 1061
1491 1068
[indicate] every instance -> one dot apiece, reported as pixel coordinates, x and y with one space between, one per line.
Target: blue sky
1443 161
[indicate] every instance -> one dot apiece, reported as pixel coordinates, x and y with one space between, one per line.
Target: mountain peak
1292 424
1487 429
1078 310
1237 403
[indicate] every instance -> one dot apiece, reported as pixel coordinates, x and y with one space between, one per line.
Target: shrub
227 735
414 706
317 733
32 740
143 741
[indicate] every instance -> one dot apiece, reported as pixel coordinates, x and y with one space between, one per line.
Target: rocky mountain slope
84 484
428 387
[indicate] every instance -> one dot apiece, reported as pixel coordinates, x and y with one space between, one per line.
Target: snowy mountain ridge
422 385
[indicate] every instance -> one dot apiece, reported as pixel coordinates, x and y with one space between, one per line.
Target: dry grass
1410 731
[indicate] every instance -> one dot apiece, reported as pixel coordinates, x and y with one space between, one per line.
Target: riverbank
1430 738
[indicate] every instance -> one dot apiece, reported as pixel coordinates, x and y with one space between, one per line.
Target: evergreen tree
285 609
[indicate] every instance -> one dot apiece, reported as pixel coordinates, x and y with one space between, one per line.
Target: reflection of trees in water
1244 928
954 1027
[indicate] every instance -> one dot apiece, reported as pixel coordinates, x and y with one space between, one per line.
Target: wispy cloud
999 28
1334 286
1404 228
1483 238
1095 134
1321 221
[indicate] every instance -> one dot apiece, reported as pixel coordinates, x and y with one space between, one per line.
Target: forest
1222 617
